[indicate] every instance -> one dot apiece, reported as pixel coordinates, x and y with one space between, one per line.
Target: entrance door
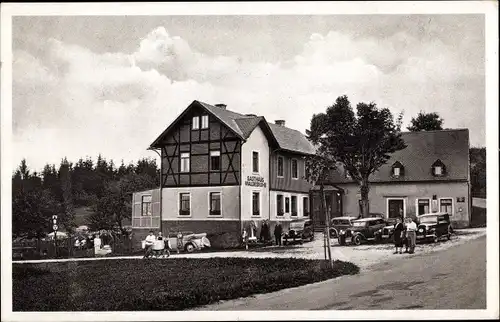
396 208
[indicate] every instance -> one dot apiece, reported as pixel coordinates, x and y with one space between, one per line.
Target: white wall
257 141
300 205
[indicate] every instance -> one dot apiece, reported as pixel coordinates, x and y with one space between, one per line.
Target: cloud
70 101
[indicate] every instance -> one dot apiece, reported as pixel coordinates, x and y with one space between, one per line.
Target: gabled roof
423 149
243 125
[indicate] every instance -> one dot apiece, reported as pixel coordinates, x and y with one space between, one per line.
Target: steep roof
451 147
243 125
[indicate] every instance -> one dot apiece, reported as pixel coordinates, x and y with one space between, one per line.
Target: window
279 205
184 162
146 206
295 169
294 205
446 205
255 161
438 168
306 206
215 160
397 169
215 207
196 122
185 204
256 204
347 175
287 205
280 166
204 122
423 206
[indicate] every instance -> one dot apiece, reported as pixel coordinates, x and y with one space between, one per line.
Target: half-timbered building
223 172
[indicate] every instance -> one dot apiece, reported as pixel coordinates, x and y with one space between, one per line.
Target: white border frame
488 8
452 205
395 198
416 204
209 204
179 204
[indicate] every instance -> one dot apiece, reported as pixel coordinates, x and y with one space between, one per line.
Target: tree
317 168
362 142
478 172
67 218
426 122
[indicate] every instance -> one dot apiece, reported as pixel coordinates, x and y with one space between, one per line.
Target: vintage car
434 226
388 230
189 241
362 230
299 231
340 223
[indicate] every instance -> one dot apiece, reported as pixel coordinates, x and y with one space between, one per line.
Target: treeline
98 184
478 172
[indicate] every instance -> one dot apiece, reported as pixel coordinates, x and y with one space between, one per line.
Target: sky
87 85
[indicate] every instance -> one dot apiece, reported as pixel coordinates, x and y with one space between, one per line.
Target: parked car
338 224
434 226
362 230
300 230
388 230
190 241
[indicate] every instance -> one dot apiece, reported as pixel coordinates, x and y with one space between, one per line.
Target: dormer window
397 170
438 168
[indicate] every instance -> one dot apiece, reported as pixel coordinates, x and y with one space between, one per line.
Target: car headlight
341 231
421 230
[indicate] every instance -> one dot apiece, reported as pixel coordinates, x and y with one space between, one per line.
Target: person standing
411 234
165 244
179 242
278 231
398 236
150 239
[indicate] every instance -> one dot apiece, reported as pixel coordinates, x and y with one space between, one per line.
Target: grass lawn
177 284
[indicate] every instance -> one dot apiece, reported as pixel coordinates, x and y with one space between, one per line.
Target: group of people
405 235
265 234
151 239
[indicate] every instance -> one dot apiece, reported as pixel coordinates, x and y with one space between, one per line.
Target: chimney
280 122
221 106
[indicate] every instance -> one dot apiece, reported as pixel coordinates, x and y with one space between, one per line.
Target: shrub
162 284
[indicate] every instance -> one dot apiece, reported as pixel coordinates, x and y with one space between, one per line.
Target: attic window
204 122
196 122
438 168
397 170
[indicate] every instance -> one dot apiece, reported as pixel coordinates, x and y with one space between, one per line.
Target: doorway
396 208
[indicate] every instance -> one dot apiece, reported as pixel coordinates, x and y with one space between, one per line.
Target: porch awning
328 188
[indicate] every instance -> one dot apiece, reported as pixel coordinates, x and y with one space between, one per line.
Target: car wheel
378 238
357 240
189 248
